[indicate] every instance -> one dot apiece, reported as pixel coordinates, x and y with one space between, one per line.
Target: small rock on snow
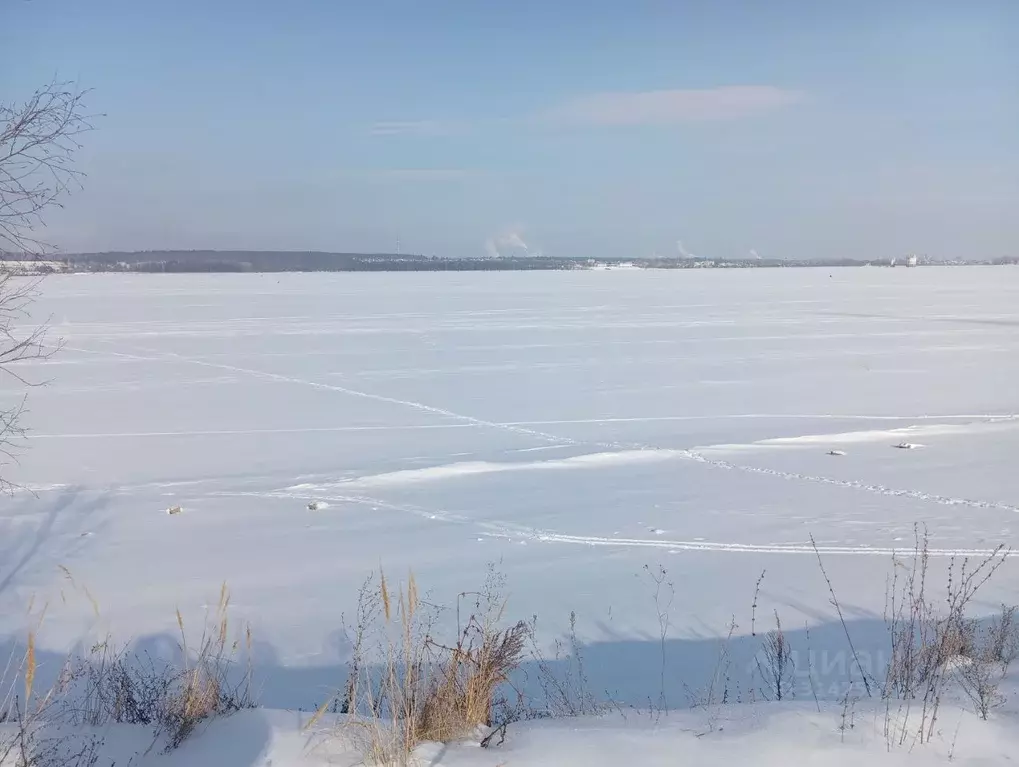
836 452
316 505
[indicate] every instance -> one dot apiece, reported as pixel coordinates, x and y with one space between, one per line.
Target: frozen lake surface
569 427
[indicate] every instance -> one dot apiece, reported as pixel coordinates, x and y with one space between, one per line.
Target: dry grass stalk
112 684
422 690
205 689
842 620
462 691
30 666
24 742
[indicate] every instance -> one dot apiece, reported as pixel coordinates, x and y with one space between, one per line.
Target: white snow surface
769 735
571 428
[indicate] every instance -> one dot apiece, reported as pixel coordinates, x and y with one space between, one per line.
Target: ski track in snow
623 452
640 455
990 417
855 485
360 394
509 531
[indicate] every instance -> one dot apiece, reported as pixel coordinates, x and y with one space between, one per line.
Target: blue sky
577 128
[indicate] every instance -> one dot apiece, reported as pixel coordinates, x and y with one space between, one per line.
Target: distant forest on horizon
184 261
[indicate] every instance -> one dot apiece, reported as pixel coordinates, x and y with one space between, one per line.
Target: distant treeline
177 261
297 261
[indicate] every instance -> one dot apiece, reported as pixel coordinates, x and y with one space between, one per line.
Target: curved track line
495 529
748 548
420 406
556 440
944 500
447 473
990 418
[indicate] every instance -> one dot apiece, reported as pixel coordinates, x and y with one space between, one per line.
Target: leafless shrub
369 608
753 605
35 742
664 596
927 642
848 719
980 681
985 665
776 667
1001 640
562 679
716 692
111 684
27 738
810 668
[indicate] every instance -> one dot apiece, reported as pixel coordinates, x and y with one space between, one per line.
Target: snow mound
451 471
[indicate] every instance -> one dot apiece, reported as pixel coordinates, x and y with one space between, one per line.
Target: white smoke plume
683 252
510 240
755 255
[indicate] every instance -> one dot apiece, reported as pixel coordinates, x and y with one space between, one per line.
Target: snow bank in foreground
759 734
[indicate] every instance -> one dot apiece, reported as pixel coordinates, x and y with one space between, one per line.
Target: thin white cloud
404 174
669 107
424 174
416 128
621 108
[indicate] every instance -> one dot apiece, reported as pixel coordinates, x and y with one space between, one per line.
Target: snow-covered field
764 735
571 428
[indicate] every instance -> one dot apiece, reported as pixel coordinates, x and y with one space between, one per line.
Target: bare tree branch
38 141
